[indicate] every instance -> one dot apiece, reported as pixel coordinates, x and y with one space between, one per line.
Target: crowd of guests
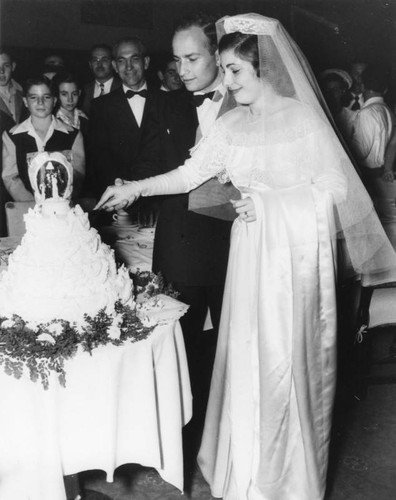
357 99
111 142
53 110
119 130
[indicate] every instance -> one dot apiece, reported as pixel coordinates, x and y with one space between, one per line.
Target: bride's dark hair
270 67
245 47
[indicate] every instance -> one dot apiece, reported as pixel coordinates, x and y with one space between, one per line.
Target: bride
268 421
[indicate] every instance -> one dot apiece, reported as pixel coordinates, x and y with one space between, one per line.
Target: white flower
46 337
147 305
32 325
151 304
80 327
113 332
8 323
55 328
117 321
147 321
155 283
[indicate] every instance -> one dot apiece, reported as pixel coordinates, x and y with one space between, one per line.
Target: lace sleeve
209 158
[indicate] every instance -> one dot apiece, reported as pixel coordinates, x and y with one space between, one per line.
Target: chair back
15 210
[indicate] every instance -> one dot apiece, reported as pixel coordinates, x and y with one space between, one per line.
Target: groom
191 249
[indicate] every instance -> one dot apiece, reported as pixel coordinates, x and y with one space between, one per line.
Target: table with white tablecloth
133 244
122 404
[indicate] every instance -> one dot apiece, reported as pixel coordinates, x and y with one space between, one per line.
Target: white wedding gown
268 421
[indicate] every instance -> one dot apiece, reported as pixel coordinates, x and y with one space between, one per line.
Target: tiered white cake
62 269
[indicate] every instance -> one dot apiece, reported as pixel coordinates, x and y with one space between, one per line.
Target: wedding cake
61 269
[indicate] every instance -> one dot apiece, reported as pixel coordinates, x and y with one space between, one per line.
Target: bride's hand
119 196
245 208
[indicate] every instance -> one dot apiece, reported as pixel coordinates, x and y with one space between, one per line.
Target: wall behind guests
36 28
330 32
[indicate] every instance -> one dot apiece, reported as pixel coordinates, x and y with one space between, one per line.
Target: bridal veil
361 238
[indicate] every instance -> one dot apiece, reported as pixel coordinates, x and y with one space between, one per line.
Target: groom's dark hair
200 20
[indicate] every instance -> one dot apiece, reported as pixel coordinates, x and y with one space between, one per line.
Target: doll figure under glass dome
51 178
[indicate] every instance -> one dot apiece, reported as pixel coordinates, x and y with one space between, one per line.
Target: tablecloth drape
124 404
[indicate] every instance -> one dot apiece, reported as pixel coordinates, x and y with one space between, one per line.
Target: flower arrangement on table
43 348
148 284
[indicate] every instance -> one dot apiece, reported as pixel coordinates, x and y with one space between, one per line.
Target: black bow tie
356 104
198 99
131 93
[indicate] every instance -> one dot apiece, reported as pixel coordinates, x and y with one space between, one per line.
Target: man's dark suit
116 142
190 250
88 93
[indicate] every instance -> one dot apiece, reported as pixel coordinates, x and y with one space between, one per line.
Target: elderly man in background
119 139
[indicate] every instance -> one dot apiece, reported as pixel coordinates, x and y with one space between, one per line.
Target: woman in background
68 91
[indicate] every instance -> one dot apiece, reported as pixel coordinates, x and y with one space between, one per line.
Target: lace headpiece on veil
281 61
285 68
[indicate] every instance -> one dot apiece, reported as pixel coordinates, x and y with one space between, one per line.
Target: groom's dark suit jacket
189 248
116 142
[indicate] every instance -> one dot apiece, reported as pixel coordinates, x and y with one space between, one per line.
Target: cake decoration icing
61 269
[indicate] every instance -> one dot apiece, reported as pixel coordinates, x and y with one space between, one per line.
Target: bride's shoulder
300 111
294 108
233 117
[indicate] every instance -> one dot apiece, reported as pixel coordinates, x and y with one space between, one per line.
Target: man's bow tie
198 99
356 104
131 93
